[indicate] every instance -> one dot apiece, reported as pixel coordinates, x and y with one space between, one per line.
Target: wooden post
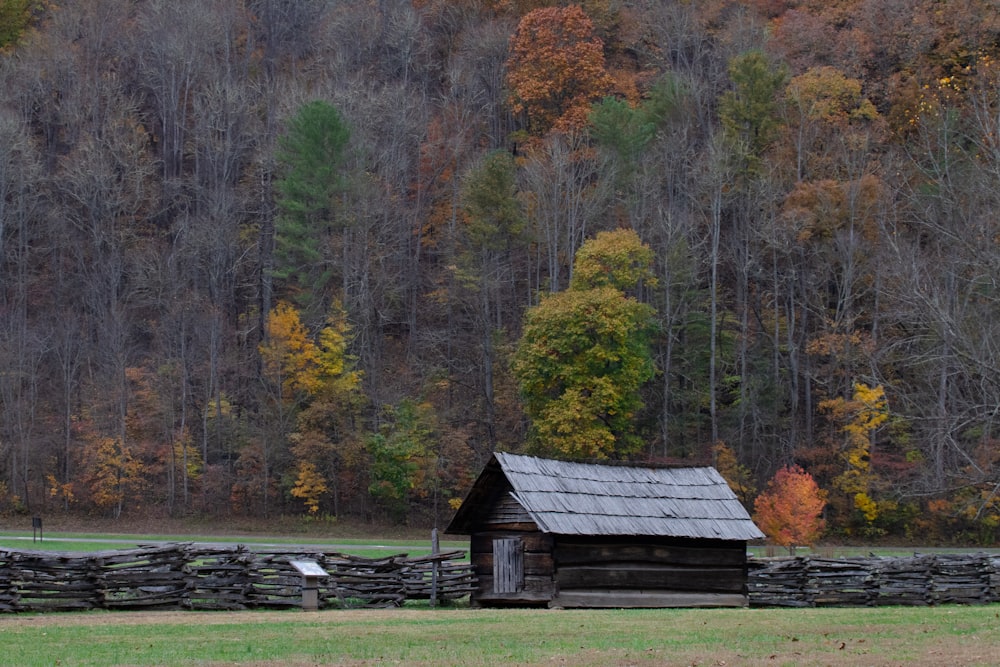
435 550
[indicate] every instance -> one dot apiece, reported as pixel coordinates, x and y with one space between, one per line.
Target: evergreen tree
311 157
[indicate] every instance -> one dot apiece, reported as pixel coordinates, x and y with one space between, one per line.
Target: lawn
84 542
460 636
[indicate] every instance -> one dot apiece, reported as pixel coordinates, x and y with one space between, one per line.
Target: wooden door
508 565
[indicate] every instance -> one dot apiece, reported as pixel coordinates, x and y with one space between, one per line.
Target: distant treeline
274 256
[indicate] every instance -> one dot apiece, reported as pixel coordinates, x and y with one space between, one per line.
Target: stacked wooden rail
921 579
189 576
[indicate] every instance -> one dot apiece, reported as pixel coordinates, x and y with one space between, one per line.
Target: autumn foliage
789 510
556 68
324 258
585 354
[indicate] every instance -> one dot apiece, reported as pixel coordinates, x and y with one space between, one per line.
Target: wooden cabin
564 534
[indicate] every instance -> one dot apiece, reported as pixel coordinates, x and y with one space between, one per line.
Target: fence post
435 550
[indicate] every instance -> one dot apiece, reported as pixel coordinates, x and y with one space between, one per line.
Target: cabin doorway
508 565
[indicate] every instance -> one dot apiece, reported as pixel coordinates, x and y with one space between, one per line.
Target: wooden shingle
567 498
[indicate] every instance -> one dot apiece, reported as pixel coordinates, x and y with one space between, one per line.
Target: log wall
187 576
649 572
929 579
537 586
593 571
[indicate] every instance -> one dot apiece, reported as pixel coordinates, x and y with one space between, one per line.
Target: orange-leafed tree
789 511
113 475
556 69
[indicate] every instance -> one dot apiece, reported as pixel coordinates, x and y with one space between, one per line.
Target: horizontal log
121 605
512 525
630 599
58 595
443 555
572 553
531 541
532 584
642 576
59 605
488 598
63 586
143 578
198 605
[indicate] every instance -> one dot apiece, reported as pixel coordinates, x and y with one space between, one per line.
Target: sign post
36 529
311 574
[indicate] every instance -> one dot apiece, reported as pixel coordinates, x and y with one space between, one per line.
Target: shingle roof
588 499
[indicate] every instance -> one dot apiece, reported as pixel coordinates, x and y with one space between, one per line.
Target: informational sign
309 568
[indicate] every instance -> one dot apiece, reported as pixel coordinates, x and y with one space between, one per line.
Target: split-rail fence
199 577
921 579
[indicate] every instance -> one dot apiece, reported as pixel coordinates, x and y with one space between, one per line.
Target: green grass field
85 542
460 636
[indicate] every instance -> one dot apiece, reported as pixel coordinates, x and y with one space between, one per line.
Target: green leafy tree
15 15
585 354
402 456
491 239
311 157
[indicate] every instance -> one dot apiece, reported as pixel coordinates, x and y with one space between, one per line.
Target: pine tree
311 156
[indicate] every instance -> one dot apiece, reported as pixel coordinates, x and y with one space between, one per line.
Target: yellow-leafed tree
859 418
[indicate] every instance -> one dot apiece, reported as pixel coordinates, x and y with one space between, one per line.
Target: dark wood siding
537 564
654 572
507 511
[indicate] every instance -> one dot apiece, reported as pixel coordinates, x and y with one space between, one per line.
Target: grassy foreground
421 636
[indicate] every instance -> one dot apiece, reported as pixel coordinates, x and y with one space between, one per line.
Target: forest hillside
318 257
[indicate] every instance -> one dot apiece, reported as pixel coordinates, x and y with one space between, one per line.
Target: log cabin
563 534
